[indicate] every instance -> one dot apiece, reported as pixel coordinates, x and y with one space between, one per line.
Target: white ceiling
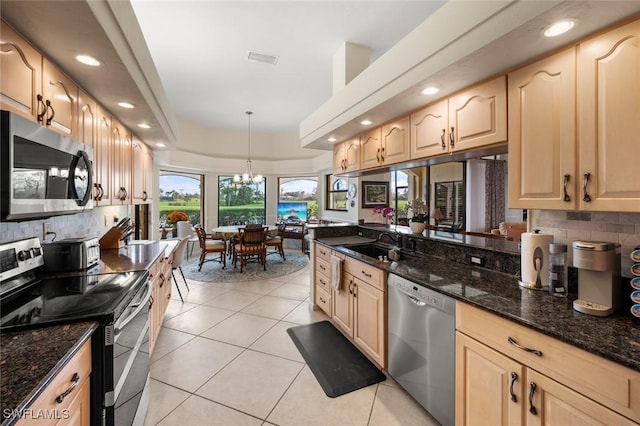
187 59
200 51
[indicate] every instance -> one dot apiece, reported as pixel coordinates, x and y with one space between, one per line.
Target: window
399 195
449 204
297 190
180 192
336 193
240 203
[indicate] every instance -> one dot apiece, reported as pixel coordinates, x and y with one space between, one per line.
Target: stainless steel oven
119 302
42 173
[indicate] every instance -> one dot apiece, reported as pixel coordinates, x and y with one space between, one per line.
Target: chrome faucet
395 239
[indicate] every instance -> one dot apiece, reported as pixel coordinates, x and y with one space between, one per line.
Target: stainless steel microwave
42 173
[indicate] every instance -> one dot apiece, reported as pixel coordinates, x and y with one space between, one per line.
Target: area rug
337 364
212 270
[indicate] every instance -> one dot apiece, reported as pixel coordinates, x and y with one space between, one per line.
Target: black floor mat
337 364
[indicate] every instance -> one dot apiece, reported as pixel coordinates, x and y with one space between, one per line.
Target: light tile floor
223 357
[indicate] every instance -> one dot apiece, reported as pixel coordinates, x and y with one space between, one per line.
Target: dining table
229 231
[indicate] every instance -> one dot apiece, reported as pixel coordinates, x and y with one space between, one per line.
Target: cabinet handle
382 155
53 112
322 300
322 282
514 377
44 108
96 188
74 382
351 286
322 267
366 274
566 197
532 391
444 146
452 137
514 343
586 198
101 192
378 155
144 195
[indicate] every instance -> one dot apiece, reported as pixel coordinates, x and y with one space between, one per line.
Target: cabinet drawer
606 382
79 364
323 282
323 267
367 273
323 299
323 252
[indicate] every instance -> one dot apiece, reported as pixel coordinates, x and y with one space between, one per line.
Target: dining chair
251 244
209 245
176 263
276 241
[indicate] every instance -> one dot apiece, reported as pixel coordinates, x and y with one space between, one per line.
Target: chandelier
247 176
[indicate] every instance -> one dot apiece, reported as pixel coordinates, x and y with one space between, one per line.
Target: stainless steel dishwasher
422 345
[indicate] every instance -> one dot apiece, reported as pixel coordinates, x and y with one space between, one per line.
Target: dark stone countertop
30 359
615 337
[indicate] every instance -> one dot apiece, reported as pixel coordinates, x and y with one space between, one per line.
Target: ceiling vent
262 57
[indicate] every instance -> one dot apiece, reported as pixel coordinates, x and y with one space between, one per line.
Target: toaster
71 254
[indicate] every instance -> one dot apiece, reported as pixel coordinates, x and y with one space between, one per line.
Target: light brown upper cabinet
121 190
103 159
609 120
553 164
542 134
474 118
21 78
386 145
346 156
87 119
142 173
33 87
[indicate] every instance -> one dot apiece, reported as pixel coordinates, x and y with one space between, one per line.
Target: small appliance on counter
71 254
598 266
635 285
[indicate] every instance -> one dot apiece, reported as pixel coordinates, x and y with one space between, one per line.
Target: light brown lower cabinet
499 383
160 277
66 400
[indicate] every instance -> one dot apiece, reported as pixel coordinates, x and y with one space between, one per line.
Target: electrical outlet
475 260
46 227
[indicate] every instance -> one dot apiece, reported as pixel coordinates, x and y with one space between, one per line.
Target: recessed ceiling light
126 105
88 60
144 126
160 145
558 28
332 139
265 58
366 122
430 91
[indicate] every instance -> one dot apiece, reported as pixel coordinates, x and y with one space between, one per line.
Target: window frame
330 192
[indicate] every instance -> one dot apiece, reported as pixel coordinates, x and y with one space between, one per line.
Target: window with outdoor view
336 193
399 193
180 199
297 198
240 203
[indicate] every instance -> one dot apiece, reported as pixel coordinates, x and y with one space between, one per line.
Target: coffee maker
598 266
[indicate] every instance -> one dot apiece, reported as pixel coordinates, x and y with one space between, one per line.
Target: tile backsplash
90 224
569 226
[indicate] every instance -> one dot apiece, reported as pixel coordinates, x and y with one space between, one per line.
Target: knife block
112 239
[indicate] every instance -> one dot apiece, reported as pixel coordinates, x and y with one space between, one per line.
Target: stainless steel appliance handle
416 301
120 325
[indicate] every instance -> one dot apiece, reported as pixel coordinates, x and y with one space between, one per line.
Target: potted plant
174 217
419 215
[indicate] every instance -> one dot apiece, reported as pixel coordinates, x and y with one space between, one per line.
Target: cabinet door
429 131
485 383
339 158
371 154
609 120
395 141
369 321
478 116
121 166
139 172
149 180
555 404
21 80
103 157
62 94
542 134
343 304
87 120
352 154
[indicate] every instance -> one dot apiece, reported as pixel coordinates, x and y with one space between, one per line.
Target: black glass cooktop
56 300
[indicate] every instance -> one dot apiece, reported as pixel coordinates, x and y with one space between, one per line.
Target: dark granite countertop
30 359
615 337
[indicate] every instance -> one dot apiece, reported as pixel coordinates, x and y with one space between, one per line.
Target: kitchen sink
370 250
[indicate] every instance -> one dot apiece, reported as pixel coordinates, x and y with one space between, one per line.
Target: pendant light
247 176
